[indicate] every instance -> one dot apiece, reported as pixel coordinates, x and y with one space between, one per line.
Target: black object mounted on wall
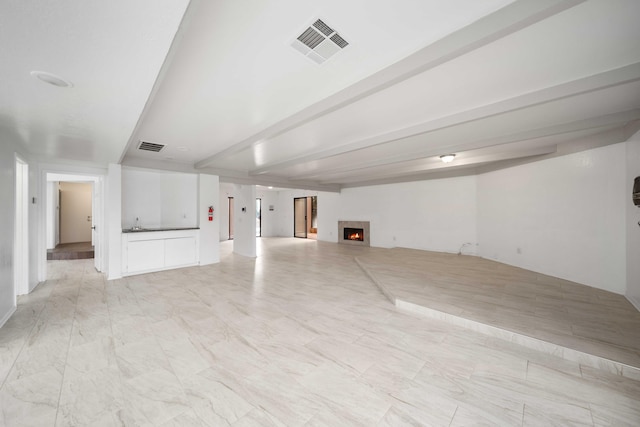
636 191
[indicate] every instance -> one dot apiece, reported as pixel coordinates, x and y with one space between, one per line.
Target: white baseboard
634 301
7 316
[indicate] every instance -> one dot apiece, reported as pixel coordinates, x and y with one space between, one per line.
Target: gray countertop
145 230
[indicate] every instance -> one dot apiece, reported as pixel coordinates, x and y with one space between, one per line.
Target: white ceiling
493 81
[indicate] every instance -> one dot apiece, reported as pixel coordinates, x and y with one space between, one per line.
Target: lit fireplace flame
354 236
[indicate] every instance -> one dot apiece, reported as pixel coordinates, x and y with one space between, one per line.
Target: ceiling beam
607 79
425 165
505 21
594 123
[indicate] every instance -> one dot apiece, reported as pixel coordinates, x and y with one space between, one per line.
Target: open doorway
74 217
230 218
258 217
305 217
72 206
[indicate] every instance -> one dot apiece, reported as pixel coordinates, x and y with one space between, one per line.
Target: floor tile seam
26 339
64 369
531 341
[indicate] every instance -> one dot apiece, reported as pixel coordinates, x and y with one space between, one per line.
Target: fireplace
354 233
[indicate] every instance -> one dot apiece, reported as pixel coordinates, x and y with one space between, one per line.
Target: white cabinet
179 251
148 251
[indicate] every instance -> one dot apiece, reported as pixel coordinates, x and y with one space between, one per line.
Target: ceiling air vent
150 146
319 42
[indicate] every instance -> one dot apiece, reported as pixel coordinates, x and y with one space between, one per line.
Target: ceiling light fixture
52 79
447 158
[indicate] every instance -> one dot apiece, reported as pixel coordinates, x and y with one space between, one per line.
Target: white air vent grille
150 146
319 42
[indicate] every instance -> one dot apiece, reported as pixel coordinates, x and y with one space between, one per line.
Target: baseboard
634 301
7 316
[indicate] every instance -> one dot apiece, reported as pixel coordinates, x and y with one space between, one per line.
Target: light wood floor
298 336
547 308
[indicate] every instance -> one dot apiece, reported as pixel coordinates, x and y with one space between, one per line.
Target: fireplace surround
356 233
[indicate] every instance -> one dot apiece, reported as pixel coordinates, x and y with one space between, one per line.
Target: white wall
436 215
244 236
53 196
270 219
209 195
283 210
159 199
9 147
113 221
633 222
565 214
75 209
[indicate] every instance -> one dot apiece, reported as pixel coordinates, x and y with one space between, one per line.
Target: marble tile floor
298 336
561 316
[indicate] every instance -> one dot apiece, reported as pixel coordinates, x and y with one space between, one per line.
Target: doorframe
305 217
230 207
21 229
95 175
258 199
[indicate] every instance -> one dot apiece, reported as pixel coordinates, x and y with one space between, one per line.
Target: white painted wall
159 199
52 214
209 195
632 222
8 148
436 215
113 221
75 210
244 238
283 210
269 218
566 214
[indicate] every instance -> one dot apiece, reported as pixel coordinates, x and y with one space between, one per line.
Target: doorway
230 218
73 218
258 217
305 217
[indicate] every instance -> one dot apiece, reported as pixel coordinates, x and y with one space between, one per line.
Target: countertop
145 230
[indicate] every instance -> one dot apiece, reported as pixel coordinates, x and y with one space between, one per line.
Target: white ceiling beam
505 21
431 164
594 123
607 79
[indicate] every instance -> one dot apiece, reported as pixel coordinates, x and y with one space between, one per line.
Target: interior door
300 217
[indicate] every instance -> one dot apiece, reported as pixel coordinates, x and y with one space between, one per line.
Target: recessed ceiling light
447 158
52 79
270 188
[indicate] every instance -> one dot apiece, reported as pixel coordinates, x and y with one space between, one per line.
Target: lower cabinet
144 252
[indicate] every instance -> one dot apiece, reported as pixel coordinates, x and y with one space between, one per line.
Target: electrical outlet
519 250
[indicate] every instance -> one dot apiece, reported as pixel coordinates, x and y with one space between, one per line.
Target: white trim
68 172
634 301
7 316
21 229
